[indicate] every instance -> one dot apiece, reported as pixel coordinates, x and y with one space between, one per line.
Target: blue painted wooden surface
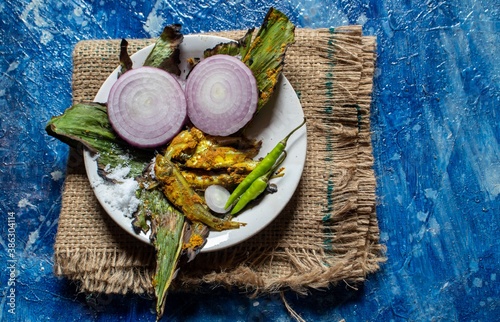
436 135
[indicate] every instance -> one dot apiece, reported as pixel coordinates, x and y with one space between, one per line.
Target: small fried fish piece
180 194
219 157
200 180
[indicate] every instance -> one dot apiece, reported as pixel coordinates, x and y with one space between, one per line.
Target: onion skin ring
147 107
221 95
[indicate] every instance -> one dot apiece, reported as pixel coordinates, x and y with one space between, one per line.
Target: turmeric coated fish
180 194
199 180
193 149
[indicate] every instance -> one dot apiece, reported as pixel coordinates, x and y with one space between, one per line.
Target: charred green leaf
165 53
266 54
233 48
195 237
125 60
167 225
87 124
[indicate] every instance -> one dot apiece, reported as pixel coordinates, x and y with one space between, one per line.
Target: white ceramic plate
271 125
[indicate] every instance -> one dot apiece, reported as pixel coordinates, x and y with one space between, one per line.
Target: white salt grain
118 195
119 173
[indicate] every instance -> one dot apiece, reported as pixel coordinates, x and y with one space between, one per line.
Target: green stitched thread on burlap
329 144
360 117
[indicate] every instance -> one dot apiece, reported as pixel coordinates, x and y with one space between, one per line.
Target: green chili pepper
182 196
257 187
262 168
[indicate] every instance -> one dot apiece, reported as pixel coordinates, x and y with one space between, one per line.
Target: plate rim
125 222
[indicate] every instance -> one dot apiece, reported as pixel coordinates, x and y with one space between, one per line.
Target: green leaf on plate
87 124
165 53
266 54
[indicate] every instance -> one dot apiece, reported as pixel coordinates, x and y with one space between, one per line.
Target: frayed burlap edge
334 113
335 91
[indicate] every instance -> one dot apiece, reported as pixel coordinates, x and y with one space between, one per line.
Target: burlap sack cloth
327 233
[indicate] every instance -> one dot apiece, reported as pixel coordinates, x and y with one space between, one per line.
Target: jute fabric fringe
327 233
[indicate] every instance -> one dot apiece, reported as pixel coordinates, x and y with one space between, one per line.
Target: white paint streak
23 203
362 19
46 37
34 6
434 227
33 237
13 66
40 22
78 11
155 22
387 29
445 285
395 157
384 236
422 216
485 161
56 175
474 266
481 149
430 193
417 251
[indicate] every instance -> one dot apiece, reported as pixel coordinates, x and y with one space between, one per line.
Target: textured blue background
436 135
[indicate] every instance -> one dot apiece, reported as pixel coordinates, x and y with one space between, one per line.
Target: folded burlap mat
327 233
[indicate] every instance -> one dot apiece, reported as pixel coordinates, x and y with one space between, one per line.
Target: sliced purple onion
221 95
147 107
